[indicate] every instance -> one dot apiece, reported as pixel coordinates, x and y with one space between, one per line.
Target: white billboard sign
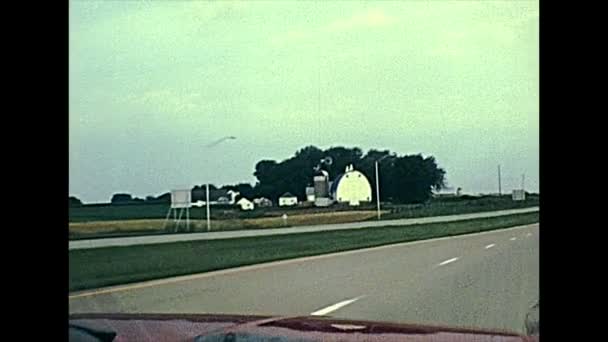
518 195
181 199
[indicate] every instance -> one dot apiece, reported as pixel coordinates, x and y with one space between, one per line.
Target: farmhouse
287 200
245 204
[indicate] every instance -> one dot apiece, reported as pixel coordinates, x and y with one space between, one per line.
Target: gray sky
153 82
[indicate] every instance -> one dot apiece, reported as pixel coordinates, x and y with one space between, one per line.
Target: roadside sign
181 199
518 195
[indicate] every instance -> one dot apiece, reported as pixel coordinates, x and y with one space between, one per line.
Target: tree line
403 178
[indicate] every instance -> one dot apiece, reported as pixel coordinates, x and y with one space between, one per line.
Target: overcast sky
153 82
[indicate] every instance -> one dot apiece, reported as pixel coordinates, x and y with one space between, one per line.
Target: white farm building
351 187
245 204
287 200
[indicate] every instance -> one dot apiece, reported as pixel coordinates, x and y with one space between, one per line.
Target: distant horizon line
462 194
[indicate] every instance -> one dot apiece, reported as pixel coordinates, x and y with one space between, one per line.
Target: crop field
156 226
92 221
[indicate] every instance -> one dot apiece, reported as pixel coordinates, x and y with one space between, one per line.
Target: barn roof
334 184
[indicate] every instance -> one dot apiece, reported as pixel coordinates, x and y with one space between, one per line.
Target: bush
74 202
121 199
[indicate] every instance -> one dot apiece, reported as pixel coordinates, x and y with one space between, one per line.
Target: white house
310 193
245 204
287 199
262 202
351 187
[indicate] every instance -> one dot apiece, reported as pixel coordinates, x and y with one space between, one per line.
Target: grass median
92 268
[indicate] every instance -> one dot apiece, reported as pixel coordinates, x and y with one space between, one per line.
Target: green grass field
97 221
107 212
456 206
95 229
92 268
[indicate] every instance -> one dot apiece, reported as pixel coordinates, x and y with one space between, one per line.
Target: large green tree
413 178
404 179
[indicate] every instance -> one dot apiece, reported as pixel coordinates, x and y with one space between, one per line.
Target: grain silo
321 186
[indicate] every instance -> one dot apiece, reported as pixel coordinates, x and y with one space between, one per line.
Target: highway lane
153 239
486 280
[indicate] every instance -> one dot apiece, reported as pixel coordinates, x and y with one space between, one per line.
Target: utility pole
377 190
499 184
207 199
378 185
208 209
523 178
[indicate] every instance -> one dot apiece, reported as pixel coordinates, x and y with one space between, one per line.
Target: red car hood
199 327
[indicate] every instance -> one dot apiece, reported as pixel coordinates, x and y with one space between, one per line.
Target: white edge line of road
170 280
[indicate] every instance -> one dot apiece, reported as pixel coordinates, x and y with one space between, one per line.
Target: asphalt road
486 280
154 239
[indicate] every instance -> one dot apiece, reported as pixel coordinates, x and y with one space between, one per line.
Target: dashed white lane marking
513 238
447 261
490 245
529 234
332 308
